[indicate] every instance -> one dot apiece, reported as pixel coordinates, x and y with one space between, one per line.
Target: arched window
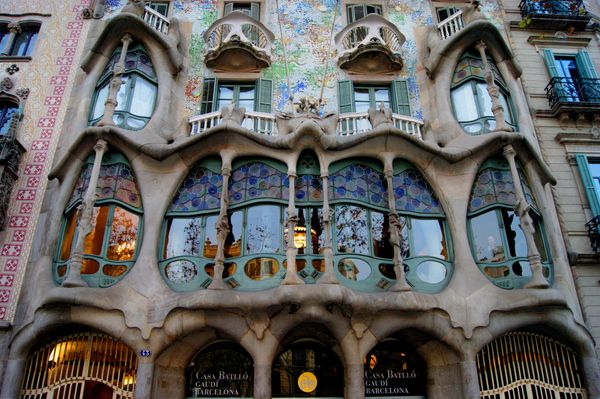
111 247
89 365
497 241
528 365
8 110
24 39
258 196
137 95
189 233
471 101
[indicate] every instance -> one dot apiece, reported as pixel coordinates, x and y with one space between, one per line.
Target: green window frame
568 86
444 13
108 257
355 12
138 92
159 6
589 171
398 96
213 91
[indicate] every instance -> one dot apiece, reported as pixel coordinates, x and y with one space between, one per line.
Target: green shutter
345 96
588 183
400 100
208 101
255 11
584 65
264 93
228 8
550 64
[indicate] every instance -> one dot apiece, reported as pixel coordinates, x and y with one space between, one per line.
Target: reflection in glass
380 234
428 238
68 235
123 232
522 268
181 271
487 238
233 241
496 271
354 269
114 270
93 241
261 268
263 234
89 266
387 269
352 229
517 245
431 272
229 269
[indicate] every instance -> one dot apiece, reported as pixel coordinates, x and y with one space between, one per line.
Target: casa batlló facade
305 198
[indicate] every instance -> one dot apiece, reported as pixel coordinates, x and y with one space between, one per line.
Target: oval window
431 272
261 268
354 269
114 270
181 271
387 269
90 266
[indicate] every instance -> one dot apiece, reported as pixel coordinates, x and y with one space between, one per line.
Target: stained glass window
200 191
257 180
414 194
359 182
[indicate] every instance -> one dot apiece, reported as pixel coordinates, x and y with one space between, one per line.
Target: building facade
311 198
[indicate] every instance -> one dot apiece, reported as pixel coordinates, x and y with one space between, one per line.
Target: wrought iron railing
573 8
593 227
564 91
451 25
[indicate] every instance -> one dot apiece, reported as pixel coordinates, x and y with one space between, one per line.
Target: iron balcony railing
593 227
575 91
571 8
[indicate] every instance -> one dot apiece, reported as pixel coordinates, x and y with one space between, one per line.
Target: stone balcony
238 42
156 20
554 14
370 45
451 25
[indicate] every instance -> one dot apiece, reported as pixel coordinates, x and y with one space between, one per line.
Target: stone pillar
13 376
328 276
143 380
396 226
470 377
222 227
526 224
262 380
85 220
355 381
115 83
291 276
14 30
493 89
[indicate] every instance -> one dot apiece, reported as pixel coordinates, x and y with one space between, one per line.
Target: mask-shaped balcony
370 45
238 42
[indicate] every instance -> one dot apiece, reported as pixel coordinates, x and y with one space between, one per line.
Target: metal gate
78 366
522 365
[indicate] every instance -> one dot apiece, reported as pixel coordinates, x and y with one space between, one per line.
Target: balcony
156 20
593 227
349 124
370 45
554 14
238 42
451 25
581 95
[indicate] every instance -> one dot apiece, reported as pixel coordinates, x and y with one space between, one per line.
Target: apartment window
589 170
573 76
160 7
471 101
358 11
137 94
354 97
22 43
7 112
252 9
444 13
254 95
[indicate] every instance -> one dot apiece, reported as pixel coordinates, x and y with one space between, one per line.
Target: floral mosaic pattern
309 188
257 180
414 194
492 186
200 191
360 183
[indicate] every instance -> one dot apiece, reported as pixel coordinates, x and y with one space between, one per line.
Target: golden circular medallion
307 382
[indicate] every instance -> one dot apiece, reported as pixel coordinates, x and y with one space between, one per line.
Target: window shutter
228 8
346 96
588 183
209 95
584 65
255 11
550 64
264 93
400 100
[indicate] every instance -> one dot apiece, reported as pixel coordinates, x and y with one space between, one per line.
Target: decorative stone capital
13 27
509 152
100 146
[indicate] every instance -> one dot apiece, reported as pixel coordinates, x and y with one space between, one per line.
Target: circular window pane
387 269
261 268
181 271
354 269
522 268
61 270
319 265
114 270
431 272
89 266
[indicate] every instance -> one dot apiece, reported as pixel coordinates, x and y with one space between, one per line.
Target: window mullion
503 232
109 221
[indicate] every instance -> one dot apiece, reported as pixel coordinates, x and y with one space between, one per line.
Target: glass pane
246 98
93 241
123 235
144 93
431 272
21 44
229 269
68 235
122 94
354 269
380 233
89 266
382 94
263 234
487 240
352 229
316 229
233 241
225 96
181 271
484 99
464 103
261 268
505 108
517 245
100 100
361 99
428 238
114 270
183 237
3 40
210 240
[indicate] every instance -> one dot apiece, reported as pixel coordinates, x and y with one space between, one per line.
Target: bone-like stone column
470 376
355 380
115 83
291 276
13 377
262 380
143 380
84 221
526 223
395 234
493 89
14 30
222 227
328 276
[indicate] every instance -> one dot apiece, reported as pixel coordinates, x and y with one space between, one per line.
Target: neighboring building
232 212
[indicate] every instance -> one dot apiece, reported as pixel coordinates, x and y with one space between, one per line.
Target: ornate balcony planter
370 45
568 95
238 42
554 14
